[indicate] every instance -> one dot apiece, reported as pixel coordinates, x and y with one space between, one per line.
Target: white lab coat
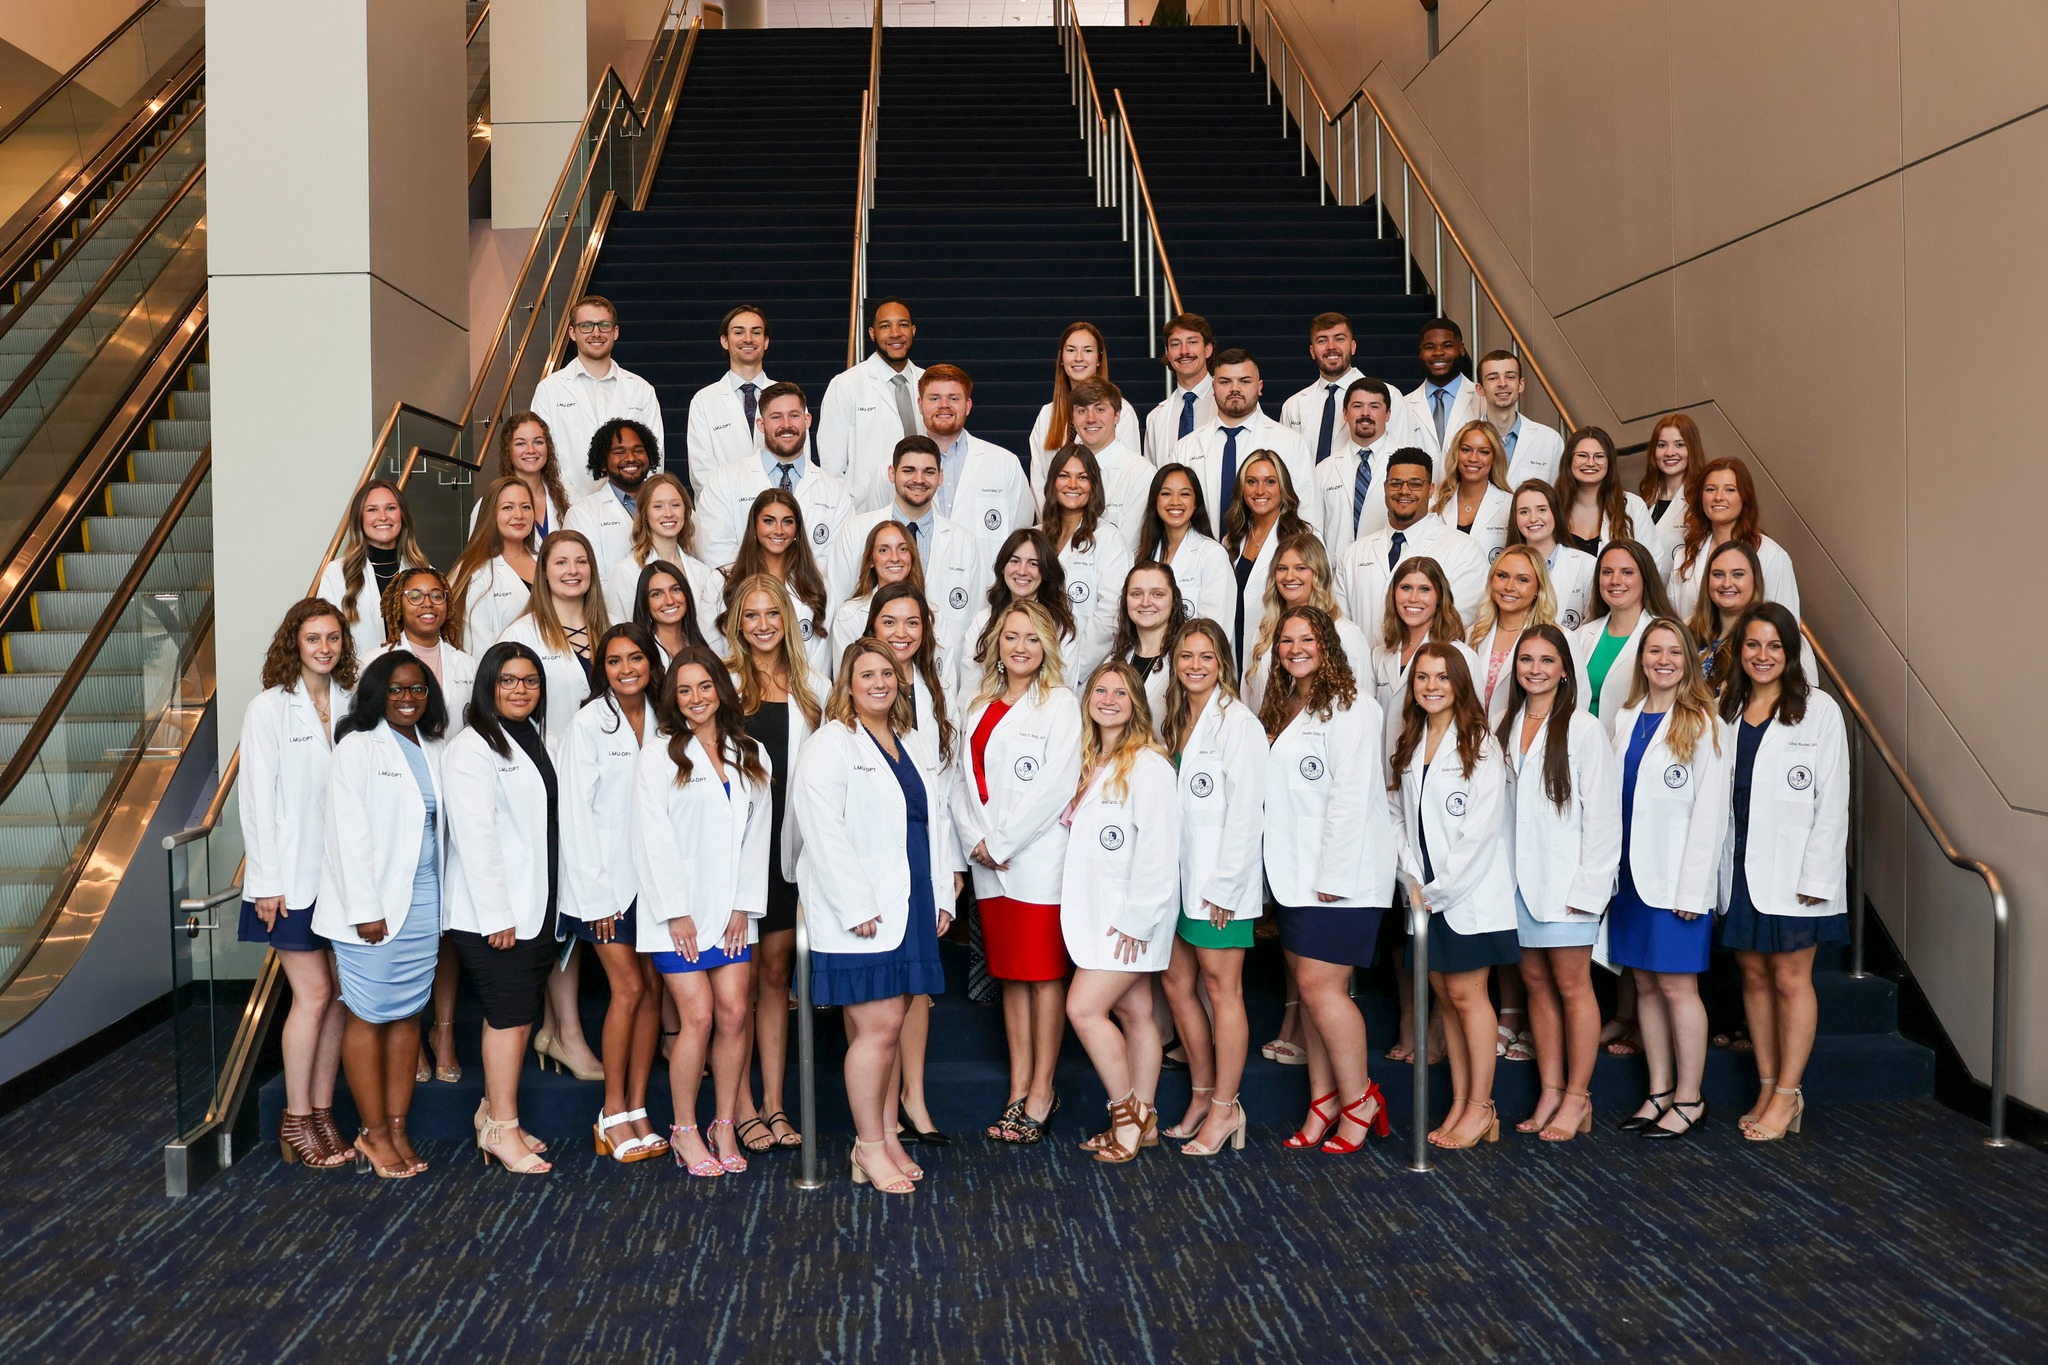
1095 587
1364 574
989 496
368 631
496 810
1222 785
458 679
1664 535
1302 413
1252 597
727 500
372 834
859 426
853 868
1357 652
1468 405
1537 452
1482 653
1329 827
575 405
1162 423
1686 581
1621 675
604 521
718 431
1571 582
1640 528
595 777
1130 434
1123 869
1201 566
491 601
1489 533
707 590
1389 676
1680 817
1126 488
1203 453
1798 835
1565 860
697 849
556 514
1336 489
1463 819
1033 762
286 752
956 576
568 684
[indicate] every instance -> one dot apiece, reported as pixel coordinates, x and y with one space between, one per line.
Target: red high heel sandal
1375 1124
1301 1141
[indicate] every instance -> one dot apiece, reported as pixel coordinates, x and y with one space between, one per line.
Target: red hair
1748 522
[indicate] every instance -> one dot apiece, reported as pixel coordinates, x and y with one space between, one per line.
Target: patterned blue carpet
1886 1232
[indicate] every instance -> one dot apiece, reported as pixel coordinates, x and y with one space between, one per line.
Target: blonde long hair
1309 546
1692 710
753 688
1052 669
1136 739
541 605
1542 612
839 705
1496 473
1174 721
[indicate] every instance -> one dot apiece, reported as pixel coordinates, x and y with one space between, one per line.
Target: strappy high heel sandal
1552 1133
630 1148
1656 1132
1303 1139
1530 1125
1124 1114
1180 1132
1764 1086
708 1168
796 1139
1635 1123
397 1123
905 1185
734 1164
370 1166
1147 1137
301 1143
1375 1124
756 1142
330 1134
1756 1132
532 1163
453 1071
1491 1133
1234 1139
483 1116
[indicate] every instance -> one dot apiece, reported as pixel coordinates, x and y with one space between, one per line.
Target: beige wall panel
419 205
1957 80
1775 107
1974 286
1599 150
1341 40
1625 340
1475 98
526 165
1796 333
1452 17
422 358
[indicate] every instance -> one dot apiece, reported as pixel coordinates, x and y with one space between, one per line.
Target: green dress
1596 668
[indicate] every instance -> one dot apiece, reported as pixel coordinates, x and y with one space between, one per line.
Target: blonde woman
493 576
561 623
1674 814
664 530
380 542
526 452
886 557
1518 596
1472 496
1300 577
1024 756
1122 896
780 700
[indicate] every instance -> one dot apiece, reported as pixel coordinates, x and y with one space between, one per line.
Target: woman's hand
503 940
605 930
734 940
682 932
1687 916
1219 918
1126 948
373 932
1325 897
959 885
945 922
270 909
980 855
870 929
1812 900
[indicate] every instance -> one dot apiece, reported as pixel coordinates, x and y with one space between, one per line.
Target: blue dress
912 967
389 981
1745 928
1639 935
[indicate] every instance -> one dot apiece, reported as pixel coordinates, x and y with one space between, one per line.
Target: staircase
752 203
985 221
1253 250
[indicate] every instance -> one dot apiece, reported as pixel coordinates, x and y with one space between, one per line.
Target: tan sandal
1125 1113
902 1185
531 1163
1552 1133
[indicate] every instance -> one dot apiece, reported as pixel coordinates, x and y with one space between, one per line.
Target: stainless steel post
1379 198
1419 919
1437 233
1857 811
1407 241
1475 343
806 1061
2001 982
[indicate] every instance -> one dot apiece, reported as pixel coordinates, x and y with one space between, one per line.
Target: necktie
1394 553
785 470
1329 424
747 391
1360 487
911 528
1187 413
1229 469
902 386
1440 400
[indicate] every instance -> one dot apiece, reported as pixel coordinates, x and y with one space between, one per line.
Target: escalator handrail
85 305
481 15
12 125
99 220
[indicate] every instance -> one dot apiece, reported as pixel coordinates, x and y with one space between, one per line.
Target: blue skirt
293 934
1537 933
1653 940
392 980
1344 935
1745 930
708 959
585 930
1451 952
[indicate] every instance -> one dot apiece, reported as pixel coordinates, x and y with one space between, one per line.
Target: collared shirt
760 382
1513 434
922 529
626 499
1450 391
772 467
952 463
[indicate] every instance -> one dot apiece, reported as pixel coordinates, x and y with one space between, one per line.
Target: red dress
1021 940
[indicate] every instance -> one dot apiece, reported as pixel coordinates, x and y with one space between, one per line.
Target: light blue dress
392 980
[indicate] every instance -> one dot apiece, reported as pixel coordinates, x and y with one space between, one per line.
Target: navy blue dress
1648 937
1745 928
912 967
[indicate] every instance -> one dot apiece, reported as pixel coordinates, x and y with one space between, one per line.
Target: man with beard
981 484
1412 530
621 454
1216 452
872 406
725 500
1348 484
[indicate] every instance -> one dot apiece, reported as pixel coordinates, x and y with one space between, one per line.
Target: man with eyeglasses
590 390
1412 531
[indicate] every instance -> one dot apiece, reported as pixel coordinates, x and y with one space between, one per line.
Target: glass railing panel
440 492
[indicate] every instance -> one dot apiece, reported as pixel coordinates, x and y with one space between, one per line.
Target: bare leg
401 1050
1048 1026
1797 1019
1017 1031
1340 1032
1090 1004
1136 1014
312 1033
1223 980
910 1049
1461 1063
447 975
566 1019
1654 1023
774 961
1688 1025
1191 1025
691 993
873 1030
504 1052
731 992
1473 1023
363 1054
630 1023
1571 971
1546 1025
1759 1011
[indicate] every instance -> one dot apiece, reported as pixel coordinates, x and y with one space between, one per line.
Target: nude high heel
860 1177
1552 1133
1234 1139
1756 1132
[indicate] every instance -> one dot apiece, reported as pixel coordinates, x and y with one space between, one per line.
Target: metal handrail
481 15
660 127
864 187
78 67
1144 200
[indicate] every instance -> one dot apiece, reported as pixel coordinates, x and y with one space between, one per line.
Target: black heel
1656 1134
1635 1123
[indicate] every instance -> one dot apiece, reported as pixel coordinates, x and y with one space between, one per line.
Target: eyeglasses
1412 485
406 690
415 596
584 329
512 683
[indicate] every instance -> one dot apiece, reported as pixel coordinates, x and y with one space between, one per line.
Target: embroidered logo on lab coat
1312 768
1800 778
1078 591
1570 620
957 599
820 533
1026 769
1455 803
993 519
805 628
1676 776
1112 837
1201 784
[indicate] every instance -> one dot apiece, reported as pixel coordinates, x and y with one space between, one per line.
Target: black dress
769 726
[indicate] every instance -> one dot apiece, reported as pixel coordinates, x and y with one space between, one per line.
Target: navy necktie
1394 552
1329 425
911 527
1229 467
747 401
1187 413
1360 487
